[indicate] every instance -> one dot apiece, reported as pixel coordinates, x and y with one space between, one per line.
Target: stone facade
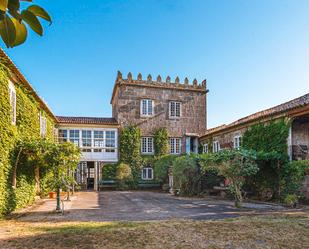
300 138
128 94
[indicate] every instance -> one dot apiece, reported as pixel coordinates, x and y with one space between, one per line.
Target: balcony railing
99 154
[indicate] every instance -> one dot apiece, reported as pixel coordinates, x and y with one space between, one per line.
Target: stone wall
300 139
127 98
225 139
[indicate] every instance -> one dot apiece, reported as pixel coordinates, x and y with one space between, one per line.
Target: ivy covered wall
27 127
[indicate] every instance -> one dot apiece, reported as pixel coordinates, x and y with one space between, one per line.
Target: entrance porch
88 174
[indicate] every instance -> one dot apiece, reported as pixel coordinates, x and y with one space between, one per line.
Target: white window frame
109 140
98 140
85 139
12 96
147 170
176 113
205 148
61 138
43 125
147 145
175 145
147 107
237 141
216 146
75 139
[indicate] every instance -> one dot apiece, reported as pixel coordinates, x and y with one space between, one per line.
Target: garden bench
148 184
222 190
107 184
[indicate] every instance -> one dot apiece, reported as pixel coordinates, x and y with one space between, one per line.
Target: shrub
290 200
162 166
124 176
234 165
109 171
293 176
186 175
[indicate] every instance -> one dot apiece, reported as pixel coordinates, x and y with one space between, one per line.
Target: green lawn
246 232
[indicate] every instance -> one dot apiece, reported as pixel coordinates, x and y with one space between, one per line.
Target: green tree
124 176
13 20
186 174
62 160
235 166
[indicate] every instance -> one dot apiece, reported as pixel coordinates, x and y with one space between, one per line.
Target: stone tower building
152 104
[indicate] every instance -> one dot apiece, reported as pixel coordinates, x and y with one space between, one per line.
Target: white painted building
98 141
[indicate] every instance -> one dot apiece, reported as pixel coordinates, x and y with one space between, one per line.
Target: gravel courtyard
141 206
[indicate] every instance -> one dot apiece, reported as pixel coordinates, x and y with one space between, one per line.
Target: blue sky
254 54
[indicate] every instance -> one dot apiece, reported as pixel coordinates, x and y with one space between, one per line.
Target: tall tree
13 20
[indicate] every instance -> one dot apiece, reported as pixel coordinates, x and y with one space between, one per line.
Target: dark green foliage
148 160
26 128
109 171
270 137
162 167
234 165
186 174
293 175
270 141
161 145
129 149
124 177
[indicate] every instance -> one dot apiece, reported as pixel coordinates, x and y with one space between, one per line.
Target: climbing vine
129 149
161 145
270 141
27 127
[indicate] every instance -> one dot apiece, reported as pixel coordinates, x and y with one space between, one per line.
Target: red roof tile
86 120
287 106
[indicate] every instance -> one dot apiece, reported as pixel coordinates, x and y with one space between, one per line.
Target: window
62 136
147 145
175 145
147 174
146 107
205 148
216 146
98 140
42 125
237 142
12 95
174 109
74 137
86 140
110 141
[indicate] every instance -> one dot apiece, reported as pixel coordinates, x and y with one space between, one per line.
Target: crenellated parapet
158 82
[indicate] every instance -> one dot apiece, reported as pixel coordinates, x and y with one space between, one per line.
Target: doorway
90 175
191 145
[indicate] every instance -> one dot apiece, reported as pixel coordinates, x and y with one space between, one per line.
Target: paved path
141 205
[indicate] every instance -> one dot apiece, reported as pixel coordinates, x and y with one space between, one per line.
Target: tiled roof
10 64
86 120
279 109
